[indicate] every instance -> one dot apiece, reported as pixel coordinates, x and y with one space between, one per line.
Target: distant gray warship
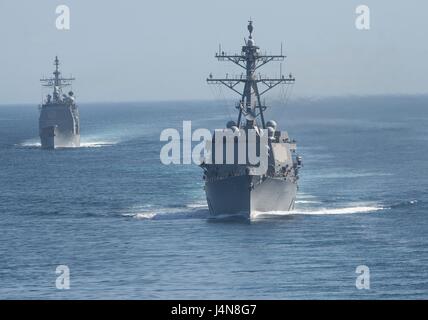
59 125
239 189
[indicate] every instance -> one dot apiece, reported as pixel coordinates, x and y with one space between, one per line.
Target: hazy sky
163 50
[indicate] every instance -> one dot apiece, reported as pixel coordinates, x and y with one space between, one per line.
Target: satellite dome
234 128
231 124
271 132
271 124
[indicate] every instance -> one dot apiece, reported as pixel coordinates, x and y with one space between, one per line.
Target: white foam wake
324 211
344 210
305 205
85 143
97 144
30 143
201 212
307 201
145 215
197 210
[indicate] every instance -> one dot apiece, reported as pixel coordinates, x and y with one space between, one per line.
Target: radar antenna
250 59
57 82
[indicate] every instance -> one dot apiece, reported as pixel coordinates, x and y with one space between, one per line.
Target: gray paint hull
248 195
57 139
59 126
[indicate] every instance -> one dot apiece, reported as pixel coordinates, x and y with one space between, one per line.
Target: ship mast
57 82
250 60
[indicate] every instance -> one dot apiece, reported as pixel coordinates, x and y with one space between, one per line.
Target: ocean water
129 227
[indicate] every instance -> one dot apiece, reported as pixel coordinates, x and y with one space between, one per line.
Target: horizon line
298 98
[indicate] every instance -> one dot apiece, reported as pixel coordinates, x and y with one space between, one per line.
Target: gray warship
59 125
245 189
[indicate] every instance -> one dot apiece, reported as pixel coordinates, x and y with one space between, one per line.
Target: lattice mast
57 82
250 59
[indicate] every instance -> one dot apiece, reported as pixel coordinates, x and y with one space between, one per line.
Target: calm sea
129 227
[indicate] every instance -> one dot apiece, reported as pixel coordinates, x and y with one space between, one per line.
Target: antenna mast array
57 82
250 60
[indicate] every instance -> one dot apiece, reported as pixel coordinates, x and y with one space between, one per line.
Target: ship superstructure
59 124
243 188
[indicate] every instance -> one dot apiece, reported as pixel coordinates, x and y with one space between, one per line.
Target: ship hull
59 126
52 138
246 196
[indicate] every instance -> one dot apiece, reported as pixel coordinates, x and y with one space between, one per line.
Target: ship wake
306 207
85 143
198 210
97 143
345 210
307 204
